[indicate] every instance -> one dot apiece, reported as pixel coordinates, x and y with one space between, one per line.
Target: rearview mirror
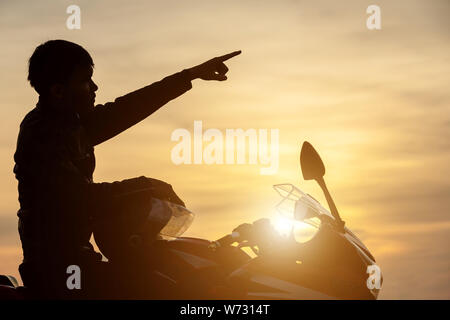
310 162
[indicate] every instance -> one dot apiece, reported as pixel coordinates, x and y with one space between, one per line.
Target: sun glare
302 231
283 225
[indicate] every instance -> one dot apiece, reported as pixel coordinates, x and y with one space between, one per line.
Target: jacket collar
59 112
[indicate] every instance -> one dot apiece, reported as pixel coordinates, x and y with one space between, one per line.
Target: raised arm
110 119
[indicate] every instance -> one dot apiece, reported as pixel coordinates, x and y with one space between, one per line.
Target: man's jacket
54 164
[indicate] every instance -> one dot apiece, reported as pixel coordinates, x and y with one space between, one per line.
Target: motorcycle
261 260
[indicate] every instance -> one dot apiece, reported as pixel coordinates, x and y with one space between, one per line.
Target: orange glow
375 104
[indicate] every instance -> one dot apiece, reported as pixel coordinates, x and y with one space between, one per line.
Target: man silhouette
54 161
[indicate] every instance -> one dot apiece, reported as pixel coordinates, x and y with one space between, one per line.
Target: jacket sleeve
110 119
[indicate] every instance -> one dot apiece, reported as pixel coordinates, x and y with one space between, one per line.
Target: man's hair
54 62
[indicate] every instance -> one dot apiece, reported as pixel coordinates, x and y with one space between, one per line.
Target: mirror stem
331 204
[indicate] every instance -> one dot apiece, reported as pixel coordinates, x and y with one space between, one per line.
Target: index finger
229 55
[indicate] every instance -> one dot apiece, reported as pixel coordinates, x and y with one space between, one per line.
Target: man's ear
57 91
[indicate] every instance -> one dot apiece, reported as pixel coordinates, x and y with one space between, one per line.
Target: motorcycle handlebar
225 241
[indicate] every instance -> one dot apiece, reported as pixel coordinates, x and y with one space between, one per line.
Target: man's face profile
78 93
80 90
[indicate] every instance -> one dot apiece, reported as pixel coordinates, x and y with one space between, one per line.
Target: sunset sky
374 103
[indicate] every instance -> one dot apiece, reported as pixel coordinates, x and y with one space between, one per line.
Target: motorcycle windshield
171 219
298 213
302 207
299 203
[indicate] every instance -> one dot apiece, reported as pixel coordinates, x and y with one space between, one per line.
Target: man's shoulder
37 131
33 121
37 124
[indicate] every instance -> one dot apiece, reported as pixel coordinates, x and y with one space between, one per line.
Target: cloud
375 104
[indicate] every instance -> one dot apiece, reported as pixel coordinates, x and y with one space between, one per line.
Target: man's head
60 71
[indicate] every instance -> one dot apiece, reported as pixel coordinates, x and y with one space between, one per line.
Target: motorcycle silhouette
255 261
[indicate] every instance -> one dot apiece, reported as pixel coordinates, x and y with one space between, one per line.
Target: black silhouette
54 163
333 264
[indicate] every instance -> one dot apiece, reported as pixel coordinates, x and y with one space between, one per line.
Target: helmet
140 224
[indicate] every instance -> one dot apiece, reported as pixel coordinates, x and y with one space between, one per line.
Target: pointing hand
214 69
